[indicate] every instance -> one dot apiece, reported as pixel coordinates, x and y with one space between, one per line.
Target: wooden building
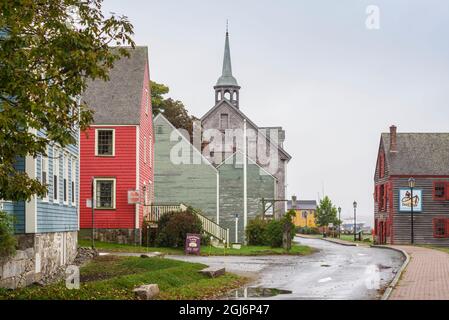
305 212
117 152
424 157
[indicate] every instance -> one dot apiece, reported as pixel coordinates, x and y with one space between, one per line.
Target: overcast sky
313 68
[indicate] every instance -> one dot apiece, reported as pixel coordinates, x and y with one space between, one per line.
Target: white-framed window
104 190
44 175
65 185
73 182
147 102
150 147
55 174
105 142
224 121
144 149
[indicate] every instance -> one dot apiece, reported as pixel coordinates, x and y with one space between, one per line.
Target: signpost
193 244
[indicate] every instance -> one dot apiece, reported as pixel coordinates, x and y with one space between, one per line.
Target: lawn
368 239
113 278
205 250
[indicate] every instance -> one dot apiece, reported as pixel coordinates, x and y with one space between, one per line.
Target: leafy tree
49 49
288 229
173 110
7 240
326 213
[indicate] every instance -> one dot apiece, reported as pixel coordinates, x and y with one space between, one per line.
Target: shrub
7 239
308 230
256 232
174 226
273 233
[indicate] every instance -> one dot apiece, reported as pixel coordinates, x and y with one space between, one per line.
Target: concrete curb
395 281
343 243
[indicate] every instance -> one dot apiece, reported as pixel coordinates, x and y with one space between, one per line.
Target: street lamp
355 220
339 222
411 184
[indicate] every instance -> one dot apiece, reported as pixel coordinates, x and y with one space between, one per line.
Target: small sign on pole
88 203
133 197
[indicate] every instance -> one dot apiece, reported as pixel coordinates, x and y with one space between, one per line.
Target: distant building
226 117
425 157
117 152
305 212
183 175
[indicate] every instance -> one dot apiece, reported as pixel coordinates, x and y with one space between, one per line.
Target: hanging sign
133 197
406 201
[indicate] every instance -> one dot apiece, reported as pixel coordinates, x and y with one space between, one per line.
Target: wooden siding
423 221
260 185
146 176
191 184
122 166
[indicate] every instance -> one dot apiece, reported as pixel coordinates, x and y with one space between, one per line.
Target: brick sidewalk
426 276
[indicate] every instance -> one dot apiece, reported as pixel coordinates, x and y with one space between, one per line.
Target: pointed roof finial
226 78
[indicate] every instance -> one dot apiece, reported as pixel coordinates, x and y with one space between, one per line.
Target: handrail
209 226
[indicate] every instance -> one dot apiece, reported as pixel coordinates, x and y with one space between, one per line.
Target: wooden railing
209 226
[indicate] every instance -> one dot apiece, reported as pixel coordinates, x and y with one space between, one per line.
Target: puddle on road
255 292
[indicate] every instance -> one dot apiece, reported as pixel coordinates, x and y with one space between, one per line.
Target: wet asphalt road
335 272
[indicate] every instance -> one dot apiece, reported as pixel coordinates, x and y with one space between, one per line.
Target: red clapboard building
421 161
117 152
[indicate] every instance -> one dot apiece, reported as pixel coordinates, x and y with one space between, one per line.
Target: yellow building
305 212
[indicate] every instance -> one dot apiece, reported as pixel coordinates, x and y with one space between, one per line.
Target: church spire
227 86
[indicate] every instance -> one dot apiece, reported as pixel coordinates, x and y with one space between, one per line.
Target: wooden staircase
210 227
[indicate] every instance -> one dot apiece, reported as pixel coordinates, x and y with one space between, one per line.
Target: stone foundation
39 257
121 236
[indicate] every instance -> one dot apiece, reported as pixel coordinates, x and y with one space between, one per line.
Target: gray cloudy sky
313 68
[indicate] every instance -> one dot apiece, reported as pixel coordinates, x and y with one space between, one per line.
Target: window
440 190
159 130
66 178
73 180
150 148
224 121
55 173
105 193
144 149
44 174
105 142
147 102
441 228
381 197
382 165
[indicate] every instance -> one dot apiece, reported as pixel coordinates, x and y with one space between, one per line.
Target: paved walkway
426 276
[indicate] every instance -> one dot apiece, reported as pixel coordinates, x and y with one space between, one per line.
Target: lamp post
355 220
339 222
411 184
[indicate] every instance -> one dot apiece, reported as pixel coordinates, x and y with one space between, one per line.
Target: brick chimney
393 139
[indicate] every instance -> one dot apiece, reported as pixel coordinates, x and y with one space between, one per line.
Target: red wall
146 171
122 167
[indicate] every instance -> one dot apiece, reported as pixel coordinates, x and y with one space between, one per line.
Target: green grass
205 250
113 278
368 239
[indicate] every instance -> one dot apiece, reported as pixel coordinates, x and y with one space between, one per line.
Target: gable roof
302 205
418 154
160 116
288 156
118 101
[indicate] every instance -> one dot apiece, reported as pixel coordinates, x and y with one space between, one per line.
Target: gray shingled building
425 158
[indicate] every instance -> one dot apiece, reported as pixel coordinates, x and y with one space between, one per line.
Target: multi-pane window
145 149
224 117
44 173
55 173
73 176
105 193
440 228
66 178
439 190
105 142
147 102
